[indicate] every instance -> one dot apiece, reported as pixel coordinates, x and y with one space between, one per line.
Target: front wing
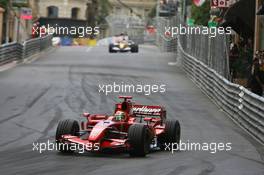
92 146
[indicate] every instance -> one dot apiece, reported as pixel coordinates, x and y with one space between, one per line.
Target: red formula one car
132 128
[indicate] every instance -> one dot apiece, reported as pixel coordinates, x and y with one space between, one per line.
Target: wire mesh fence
211 50
165 41
133 26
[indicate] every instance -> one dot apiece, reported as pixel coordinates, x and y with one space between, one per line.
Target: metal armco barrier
10 52
244 107
33 46
17 52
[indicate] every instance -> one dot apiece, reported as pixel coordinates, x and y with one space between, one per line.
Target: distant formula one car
133 128
121 43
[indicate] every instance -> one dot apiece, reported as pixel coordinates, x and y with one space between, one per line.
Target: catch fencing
205 61
133 26
212 50
19 51
165 42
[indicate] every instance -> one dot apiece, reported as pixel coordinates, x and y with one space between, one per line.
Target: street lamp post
8 8
257 28
18 27
157 21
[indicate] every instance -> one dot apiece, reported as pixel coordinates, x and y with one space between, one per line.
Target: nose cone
98 131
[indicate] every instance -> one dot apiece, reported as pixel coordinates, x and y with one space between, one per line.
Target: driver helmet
119 115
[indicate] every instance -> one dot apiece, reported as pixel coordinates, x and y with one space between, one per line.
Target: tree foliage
201 14
103 11
3 3
152 12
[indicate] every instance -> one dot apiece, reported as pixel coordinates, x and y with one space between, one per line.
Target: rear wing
146 110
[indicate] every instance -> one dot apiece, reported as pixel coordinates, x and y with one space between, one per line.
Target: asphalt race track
64 83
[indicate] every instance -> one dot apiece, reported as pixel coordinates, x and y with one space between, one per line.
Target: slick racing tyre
139 139
67 126
111 48
134 48
172 133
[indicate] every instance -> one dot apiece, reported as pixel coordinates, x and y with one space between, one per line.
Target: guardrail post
24 50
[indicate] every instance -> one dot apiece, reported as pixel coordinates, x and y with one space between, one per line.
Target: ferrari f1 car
121 43
133 128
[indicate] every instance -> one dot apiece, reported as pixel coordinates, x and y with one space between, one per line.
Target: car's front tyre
139 140
65 127
111 48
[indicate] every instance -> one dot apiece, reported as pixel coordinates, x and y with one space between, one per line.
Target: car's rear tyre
172 134
139 140
134 48
67 126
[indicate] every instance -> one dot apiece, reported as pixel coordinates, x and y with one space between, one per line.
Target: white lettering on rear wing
147 110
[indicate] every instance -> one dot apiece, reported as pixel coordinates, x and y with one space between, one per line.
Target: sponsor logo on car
146 110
